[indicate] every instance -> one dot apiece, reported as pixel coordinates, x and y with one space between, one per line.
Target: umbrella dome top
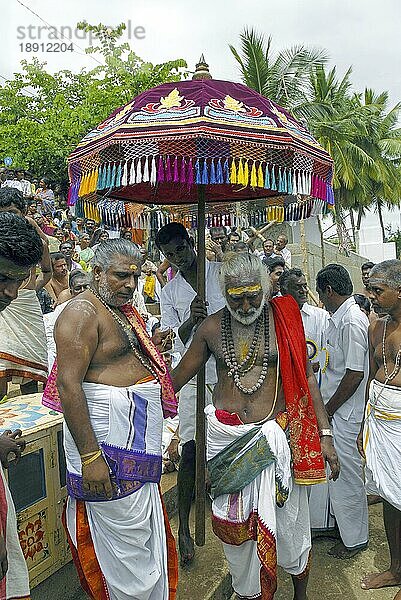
224 135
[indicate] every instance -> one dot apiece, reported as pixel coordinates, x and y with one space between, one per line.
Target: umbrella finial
201 69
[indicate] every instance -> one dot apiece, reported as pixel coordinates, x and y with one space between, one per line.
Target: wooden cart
37 485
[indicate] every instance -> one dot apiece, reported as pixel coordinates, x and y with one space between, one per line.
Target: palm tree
282 76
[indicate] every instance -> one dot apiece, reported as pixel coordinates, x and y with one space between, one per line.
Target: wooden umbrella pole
200 390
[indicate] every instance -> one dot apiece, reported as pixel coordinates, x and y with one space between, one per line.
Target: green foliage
358 130
43 116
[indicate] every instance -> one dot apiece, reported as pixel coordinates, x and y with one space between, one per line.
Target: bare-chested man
114 389
380 437
265 387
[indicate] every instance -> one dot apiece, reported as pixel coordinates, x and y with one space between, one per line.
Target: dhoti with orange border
259 513
123 548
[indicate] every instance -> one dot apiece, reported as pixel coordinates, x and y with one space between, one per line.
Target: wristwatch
325 433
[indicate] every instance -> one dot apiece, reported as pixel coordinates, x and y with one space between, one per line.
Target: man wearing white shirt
343 391
281 248
315 319
182 310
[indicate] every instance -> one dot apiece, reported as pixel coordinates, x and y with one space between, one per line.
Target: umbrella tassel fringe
233 173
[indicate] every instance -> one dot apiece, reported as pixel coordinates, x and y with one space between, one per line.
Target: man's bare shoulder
376 329
82 308
212 324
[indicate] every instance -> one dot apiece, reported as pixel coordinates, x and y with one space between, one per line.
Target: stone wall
312 262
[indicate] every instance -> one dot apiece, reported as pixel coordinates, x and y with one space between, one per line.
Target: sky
364 34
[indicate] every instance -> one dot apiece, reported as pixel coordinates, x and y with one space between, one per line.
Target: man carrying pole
264 388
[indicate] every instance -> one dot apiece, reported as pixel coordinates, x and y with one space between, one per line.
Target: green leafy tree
281 76
44 115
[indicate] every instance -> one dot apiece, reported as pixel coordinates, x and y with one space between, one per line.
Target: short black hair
337 277
9 196
363 302
20 243
286 276
77 273
272 262
170 232
56 256
367 265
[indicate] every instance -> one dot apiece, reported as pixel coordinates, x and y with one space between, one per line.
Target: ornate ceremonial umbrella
202 141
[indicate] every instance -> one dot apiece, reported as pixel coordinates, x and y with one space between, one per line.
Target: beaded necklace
237 370
130 335
397 362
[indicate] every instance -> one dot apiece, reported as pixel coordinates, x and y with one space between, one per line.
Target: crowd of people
296 395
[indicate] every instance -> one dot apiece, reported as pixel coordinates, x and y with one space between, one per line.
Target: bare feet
375 581
187 549
342 552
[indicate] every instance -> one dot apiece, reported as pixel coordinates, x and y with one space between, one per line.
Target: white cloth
286 254
23 349
49 320
346 497
289 525
382 440
346 340
175 304
315 321
128 533
17 579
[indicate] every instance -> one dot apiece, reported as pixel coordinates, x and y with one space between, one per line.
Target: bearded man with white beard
266 389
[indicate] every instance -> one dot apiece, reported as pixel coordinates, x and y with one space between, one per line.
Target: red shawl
51 397
306 452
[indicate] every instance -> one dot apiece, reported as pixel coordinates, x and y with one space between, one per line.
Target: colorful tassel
246 173
175 170
169 176
190 173
182 174
294 183
261 179
226 171
233 173
145 176
95 180
205 179
138 176
212 172
153 172
100 178
267 178
160 170
198 178
254 177
240 173
118 176
132 173
113 176
280 187
124 179
108 177
289 183
273 184
219 172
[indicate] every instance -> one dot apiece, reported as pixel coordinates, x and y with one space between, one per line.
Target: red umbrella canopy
237 143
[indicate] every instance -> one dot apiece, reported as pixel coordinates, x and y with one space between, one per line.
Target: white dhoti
382 440
129 534
345 499
23 348
16 583
265 523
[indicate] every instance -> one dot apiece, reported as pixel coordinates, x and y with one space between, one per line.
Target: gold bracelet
88 461
89 454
